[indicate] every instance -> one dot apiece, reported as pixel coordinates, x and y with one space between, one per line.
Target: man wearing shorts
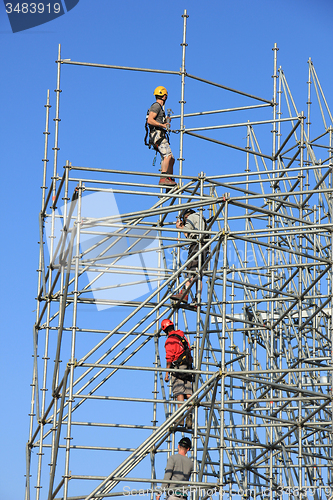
178 468
158 137
178 357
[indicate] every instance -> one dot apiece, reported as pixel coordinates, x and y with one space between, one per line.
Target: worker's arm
180 226
167 474
167 373
151 121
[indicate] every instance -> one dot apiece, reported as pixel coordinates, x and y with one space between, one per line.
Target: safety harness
150 129
184 359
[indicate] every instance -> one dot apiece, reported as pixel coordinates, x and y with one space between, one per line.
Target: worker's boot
167 181
188 423
195 302
180 423
182 296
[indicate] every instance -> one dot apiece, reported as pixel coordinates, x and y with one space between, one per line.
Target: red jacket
173 346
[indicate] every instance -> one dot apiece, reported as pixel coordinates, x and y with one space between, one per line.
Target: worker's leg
167 164
189 416
183 293
194 274
180 398
179 390
187 285
203 259
192 267
186 387
182 389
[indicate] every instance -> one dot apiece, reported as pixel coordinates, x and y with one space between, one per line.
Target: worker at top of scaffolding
188 221
158 137
178 468
178 355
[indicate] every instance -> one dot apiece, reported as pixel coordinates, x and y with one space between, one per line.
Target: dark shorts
194 264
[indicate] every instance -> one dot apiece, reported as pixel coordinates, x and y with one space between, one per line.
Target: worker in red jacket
178 355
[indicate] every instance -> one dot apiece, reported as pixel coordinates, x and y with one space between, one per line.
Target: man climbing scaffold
178 355
188 221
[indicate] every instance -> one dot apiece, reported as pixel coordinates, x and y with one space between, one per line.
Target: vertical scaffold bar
54 180
62 303
330 324
57 121
46 141
40 283
181 128
72 362
223 350
246 391
198 296
58 432
300 286
273 260
308 123
182 96
275 103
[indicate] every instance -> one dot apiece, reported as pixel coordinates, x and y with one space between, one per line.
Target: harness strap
152 128
158 142
186 347
147 132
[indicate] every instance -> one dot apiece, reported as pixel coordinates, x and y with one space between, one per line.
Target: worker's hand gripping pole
168 119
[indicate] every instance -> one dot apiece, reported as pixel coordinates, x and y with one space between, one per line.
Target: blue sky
228 42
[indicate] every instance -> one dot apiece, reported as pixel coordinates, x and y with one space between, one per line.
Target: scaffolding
102 419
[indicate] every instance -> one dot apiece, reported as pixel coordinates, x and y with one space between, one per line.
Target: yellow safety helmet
160 91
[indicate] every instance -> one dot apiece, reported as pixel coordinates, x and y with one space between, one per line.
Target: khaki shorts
164 148
180 386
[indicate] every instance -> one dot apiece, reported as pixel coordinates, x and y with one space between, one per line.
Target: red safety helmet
165 323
